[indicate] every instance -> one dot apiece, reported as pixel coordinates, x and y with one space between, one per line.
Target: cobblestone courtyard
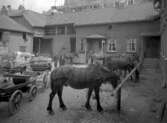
140 104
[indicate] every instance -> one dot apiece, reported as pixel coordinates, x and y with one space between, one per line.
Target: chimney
9 7
21 7
4 10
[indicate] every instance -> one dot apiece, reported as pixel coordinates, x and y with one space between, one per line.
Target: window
1 36
61 30
111 46
131 45
130 2
25 36
50 30
157 4
22 48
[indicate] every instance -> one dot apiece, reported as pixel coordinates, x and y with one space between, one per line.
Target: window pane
50 31
131 45
61 30
25 36
111 45
130 2
1 36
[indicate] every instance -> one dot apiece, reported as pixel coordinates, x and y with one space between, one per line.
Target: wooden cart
13 94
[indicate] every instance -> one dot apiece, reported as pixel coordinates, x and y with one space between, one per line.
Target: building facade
101 33
106 31
130 37
14 37
81 5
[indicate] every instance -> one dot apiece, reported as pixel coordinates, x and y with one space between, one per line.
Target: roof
35 19
15 12
7 23
138 12
114 15
61 18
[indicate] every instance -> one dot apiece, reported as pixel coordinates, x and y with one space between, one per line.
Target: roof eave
118 22
59 24
11 30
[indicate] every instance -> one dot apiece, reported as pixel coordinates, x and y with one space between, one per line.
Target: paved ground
140 104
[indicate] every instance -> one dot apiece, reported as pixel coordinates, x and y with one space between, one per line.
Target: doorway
152 47
73 44
42 46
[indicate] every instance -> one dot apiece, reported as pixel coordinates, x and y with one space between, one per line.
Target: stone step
149 66
148 69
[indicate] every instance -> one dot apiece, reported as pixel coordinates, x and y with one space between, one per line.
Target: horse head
107 75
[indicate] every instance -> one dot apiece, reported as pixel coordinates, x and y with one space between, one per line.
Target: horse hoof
88 107
63 108
51 112
100 109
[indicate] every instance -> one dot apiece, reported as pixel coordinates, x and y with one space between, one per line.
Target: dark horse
126 65
90 77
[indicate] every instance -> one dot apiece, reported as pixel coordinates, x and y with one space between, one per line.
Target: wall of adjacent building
16 41
164 40
120 32
21 20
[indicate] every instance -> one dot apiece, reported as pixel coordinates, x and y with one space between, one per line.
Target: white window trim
108 42
129 41
128 2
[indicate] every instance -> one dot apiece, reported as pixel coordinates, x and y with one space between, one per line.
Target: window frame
1 35
50 30
59 30
24 35
129 45
130 2
111 42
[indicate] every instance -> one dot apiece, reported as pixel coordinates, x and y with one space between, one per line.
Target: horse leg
62 105
137 74
99 108
131 77
87 105
49 108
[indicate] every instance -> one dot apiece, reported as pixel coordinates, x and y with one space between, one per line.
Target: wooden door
152 49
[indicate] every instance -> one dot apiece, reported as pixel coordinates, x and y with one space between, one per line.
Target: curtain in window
111 46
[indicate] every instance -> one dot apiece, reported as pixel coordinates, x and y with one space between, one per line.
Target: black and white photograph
83 61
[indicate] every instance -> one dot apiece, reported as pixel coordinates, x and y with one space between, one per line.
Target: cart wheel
15 101
32 92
